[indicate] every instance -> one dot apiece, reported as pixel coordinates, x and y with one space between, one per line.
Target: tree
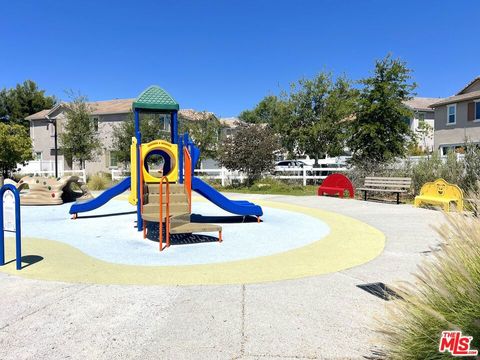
78 137
123 133
264 113
380 133
23 100
251 149
471 176
16 147
204 131
276 112
425 133
316 117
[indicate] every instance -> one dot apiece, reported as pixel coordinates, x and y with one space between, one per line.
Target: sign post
10 221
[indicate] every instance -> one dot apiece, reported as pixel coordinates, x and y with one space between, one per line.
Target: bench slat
388 182
386 185
384 190
387 178
383 183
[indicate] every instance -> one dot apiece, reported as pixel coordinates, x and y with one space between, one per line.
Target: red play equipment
336 184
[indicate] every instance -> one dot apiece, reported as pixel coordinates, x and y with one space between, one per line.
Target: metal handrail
142 193
167 210
187 179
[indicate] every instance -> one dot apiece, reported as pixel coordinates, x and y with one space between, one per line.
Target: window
114 155
421 116
59 152
37 155
51 129
95 124
164 122
477 110
452 114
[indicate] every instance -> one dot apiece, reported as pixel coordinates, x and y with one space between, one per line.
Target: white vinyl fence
46 168
119 174
294 173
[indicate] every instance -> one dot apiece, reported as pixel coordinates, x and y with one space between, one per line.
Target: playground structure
336 184
165 196
46 191
440 192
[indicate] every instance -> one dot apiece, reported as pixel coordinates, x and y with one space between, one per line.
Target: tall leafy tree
204 131
314 122
16 147
251 149
23 100
79 140
274 111
264 112
380 133
123 133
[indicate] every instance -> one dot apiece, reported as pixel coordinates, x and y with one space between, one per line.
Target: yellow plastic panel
171 150
133 198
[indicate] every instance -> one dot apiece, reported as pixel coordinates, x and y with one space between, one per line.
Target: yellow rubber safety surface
350 243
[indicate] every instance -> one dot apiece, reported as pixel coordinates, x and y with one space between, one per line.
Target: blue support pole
2 235
174 127
18 230
180 160
138 135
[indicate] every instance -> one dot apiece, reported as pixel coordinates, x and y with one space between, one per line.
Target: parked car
284 165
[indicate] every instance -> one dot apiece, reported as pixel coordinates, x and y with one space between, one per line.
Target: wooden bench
440 192
395 185
336 184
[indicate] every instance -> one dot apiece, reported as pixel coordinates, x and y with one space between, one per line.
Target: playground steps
178 202
174 189
174 198
175 208
194 228
179 210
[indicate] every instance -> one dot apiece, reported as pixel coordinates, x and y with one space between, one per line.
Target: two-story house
423 121
105 115
457 118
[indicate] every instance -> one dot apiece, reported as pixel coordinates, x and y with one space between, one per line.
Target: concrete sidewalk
322 317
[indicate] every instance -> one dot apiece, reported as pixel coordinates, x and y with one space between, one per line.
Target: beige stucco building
423 113
105 116
457 118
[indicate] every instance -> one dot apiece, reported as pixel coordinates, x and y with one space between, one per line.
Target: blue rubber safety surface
114 238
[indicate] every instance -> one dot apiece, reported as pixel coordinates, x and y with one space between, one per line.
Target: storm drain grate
380 290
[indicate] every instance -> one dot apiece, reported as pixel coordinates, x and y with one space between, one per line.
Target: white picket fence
36 166
303 175
51 173
46 168
293 173
119 174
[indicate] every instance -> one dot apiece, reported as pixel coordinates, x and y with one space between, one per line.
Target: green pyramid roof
155 98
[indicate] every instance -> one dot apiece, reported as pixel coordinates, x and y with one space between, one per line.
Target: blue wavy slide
235 207
102 199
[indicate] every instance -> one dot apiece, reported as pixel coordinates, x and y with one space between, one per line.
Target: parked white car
285 165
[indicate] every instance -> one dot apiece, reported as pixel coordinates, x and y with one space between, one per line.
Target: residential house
423 121
105 116
457 118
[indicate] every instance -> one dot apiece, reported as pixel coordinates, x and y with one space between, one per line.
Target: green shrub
472 168
428 169
445 296
98 182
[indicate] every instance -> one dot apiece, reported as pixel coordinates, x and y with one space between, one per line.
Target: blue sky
225 56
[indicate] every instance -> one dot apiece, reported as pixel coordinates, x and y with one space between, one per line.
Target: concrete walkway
322 317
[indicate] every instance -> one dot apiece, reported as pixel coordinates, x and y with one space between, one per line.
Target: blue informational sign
10 221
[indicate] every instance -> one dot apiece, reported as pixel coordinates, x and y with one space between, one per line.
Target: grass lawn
270 186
